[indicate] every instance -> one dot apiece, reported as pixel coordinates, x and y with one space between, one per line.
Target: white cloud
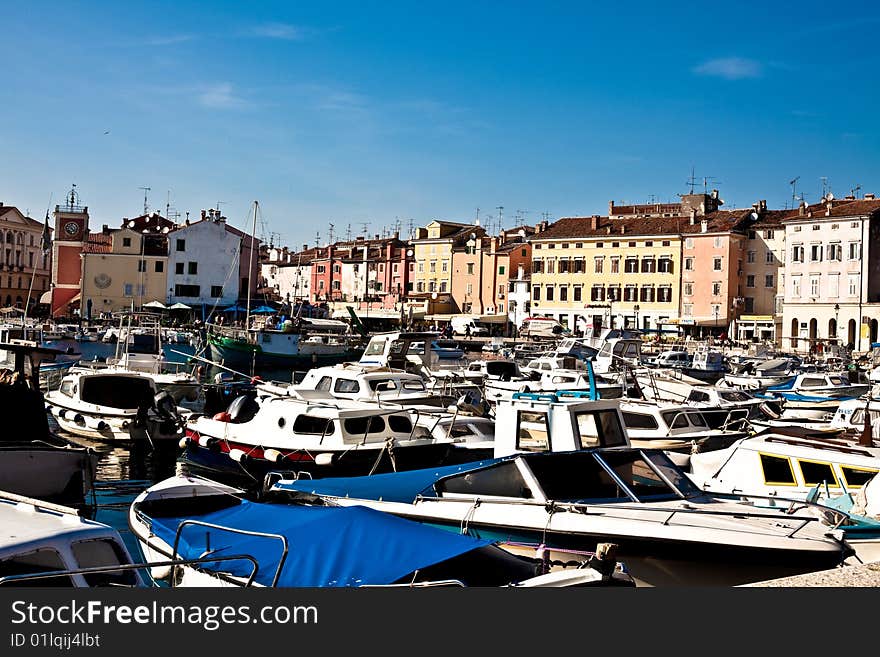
730 68
220 96
168 40
284 31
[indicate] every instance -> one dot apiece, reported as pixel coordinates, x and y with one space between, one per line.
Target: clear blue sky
351 112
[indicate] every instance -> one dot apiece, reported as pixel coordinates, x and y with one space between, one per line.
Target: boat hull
243 356
52 474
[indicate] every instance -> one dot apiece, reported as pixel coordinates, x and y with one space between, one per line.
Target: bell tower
71 231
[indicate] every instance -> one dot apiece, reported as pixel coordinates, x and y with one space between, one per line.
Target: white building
203 263
518 296
832 293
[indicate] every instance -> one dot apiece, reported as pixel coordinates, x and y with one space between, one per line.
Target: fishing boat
114 407
593 486
757 375
44 544
34 461
814 394
319 546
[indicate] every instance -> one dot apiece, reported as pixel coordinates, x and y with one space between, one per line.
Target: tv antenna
692 181
855 191
500 209
146 207
824 180
706 180
348 233
330 233
477 220
365 226
317 238
793 183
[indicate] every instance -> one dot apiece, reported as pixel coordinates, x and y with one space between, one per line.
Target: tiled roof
839 208
571 227
28 220
98 243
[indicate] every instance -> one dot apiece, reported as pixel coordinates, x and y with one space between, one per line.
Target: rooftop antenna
855 190
146 207
692 180
366 226
317 238
793 183
477 220
706 180
411 228
500 209
397 225
330 226
348 233
168 204
824 180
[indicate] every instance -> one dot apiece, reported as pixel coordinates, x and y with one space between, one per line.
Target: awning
46 297
494 319
156 304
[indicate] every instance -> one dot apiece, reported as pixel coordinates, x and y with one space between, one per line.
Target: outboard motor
242 409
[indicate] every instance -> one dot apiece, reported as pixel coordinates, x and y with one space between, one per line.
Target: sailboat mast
247 321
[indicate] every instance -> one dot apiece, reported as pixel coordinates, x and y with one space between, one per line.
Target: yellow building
123 269
608 272
433 251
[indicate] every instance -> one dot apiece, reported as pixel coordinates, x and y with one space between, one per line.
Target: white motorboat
44 544
287 545
760 375
114 406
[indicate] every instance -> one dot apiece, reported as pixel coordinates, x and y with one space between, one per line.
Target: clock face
102 281
71 228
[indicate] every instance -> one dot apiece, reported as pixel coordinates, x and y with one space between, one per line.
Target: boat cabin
115 390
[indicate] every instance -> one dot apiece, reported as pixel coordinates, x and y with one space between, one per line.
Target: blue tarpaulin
328 546
390 487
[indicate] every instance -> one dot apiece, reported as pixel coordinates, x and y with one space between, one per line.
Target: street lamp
636 309
836 313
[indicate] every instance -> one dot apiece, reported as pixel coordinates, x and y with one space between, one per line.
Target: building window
796 286
470 268
186 290
630 293
160 266
192 268
752 235
181 245
648 266
835 252
769 258
768 280
688 264
750 256
688 289
666 243
855 250
599 245
576 293
432 286
597 293
833 285
599 264
443 286
853 285
421 266
578 266
432 267
127 292
631 266
548 293
649 243
717 242
750 280
615 245
815 253
551 245
664 293
689 243
563 293
814 286
797 253
536 293
444 266
614 293
687 309
551 266
563 265
501 270
750 305
537 266
126 241
420 286
768 234
320 269
716 264
577 245
615 265
216 291
178 268
716 288
664 265
632 245
142 265
647 293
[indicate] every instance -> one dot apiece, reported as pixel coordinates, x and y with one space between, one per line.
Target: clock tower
71 231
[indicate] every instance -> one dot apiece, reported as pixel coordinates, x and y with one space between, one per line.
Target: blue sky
374 112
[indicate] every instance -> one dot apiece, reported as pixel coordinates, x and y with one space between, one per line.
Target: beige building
433 249
25 268
123 269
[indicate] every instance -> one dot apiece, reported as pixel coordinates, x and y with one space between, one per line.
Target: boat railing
429 584
233 530
115 568
736 419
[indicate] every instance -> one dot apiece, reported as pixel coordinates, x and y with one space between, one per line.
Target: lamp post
636 309
836 324
715 310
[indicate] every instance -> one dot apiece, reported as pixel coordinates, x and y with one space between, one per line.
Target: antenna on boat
247 319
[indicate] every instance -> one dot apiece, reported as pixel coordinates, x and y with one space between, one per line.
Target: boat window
413 384
600 429
357 426
697 396
638 475
118 392
856 477
812 382
501 368
67 388
546 366
309 424
734 396
501 480
534 364
532 433
838 381
43 560
324 384
639 421
399 423
281 422
143 344
562 379
103 552
697 419
346 386
675 419
778 470
266 337
376 348
818 472
382 384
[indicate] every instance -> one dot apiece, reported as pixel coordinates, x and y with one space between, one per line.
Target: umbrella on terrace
156 304
263 310
179 306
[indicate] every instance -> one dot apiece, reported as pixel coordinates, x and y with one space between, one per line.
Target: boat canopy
327 546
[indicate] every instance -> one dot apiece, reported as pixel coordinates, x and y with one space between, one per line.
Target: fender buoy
223 416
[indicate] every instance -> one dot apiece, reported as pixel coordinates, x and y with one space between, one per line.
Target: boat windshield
117 392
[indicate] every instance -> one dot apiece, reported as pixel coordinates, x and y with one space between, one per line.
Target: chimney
609 229
610 208
704 226
203 214
622 229
537 228
693 220
763 203
594 222
869 197
305 247
802 208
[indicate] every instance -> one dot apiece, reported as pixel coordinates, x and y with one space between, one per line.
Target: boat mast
247 321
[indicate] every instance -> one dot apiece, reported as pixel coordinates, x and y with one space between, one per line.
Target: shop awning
46 297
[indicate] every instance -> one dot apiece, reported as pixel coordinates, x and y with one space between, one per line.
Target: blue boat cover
390 487
328 546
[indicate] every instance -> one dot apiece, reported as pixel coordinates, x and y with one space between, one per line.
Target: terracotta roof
572 227
5 209
839 208
98 243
